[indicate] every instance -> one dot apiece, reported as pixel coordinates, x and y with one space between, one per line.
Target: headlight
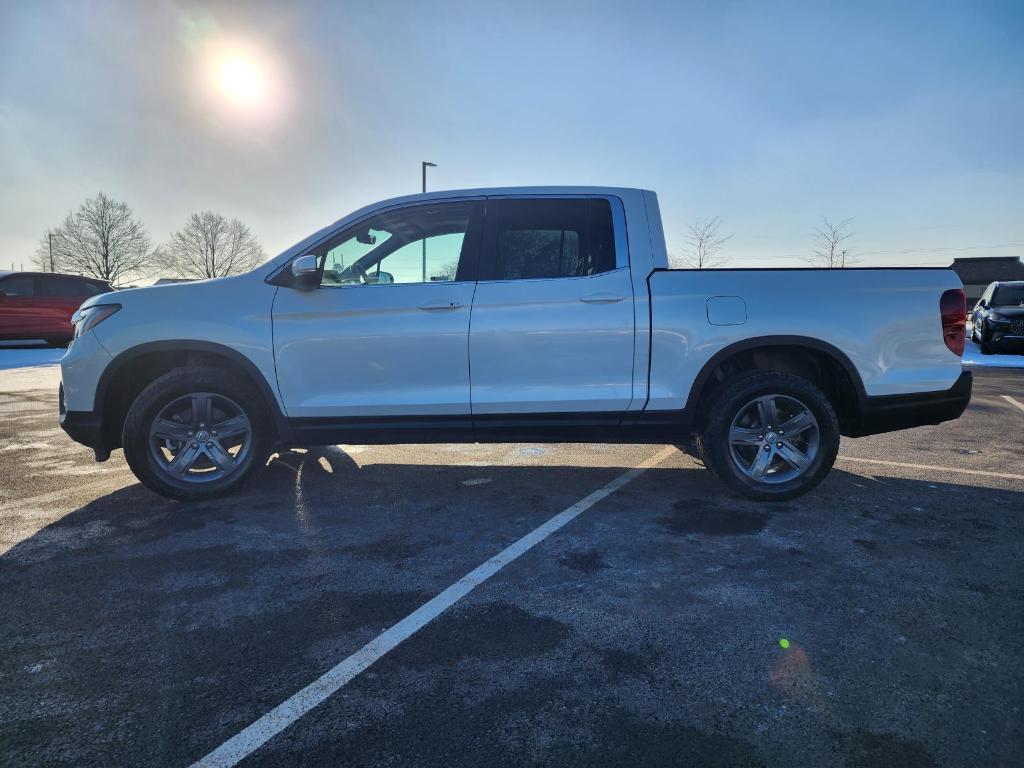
88 318
998 319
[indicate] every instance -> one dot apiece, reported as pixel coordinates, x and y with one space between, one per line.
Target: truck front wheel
770 436
195 433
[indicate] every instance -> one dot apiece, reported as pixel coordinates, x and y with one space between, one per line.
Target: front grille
1017 329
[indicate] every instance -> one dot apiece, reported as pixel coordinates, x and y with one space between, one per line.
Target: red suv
39 305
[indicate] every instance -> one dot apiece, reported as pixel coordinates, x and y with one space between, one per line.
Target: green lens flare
784 643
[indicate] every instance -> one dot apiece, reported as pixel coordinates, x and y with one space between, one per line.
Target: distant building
977 273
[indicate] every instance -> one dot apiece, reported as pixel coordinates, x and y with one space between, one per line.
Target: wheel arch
817 360
134 368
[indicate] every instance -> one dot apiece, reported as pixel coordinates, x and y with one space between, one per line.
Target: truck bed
885 321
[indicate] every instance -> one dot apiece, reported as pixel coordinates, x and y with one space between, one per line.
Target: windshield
1008 295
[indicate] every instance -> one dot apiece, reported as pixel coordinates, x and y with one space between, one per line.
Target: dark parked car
999 318
39 305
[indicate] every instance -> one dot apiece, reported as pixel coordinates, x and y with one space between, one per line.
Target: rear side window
545 238
19 285
66 286
95 289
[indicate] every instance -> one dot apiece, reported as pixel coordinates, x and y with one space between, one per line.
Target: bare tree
828 244
211 246
704 243
446 271
101 239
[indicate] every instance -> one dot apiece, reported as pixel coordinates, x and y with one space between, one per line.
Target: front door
552 327
386 333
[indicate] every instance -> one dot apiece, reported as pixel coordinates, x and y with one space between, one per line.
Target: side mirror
306 272
983 304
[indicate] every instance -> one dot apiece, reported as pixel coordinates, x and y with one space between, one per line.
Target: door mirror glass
305 272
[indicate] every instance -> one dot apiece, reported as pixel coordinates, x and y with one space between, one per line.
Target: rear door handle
440 305
602 298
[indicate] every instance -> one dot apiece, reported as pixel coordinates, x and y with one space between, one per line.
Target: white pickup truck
514 314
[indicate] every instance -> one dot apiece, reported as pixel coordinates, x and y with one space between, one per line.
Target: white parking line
981 472
1011 401
247 741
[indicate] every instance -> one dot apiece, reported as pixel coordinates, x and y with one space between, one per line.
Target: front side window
416 244
547 237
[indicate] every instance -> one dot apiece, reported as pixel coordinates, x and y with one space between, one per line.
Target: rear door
387 331
552 325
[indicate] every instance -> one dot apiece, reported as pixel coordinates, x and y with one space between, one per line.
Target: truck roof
445 194
543 190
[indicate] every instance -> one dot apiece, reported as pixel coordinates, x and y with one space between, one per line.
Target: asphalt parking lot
878 621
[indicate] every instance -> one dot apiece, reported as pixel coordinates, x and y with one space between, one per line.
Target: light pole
49 237
424 165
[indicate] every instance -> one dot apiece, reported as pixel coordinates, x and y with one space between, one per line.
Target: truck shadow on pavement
141 630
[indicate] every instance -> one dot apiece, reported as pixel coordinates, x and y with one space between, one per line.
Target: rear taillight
953 308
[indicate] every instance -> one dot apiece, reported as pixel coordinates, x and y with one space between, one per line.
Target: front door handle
440 304
602 298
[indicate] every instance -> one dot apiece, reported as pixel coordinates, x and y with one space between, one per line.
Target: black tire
983 343
180 383
717 453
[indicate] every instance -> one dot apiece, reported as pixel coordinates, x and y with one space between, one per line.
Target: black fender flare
758 342
110 373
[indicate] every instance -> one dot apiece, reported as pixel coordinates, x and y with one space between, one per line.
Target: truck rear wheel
195 433
770 436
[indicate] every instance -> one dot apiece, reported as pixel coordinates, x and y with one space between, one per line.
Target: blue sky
906 116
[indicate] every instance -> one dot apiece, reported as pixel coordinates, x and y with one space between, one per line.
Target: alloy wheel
774 439
200 438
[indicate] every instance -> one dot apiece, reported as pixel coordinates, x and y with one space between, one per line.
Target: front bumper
892 412
85 427
1007 341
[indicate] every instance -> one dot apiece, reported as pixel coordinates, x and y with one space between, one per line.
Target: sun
242 79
